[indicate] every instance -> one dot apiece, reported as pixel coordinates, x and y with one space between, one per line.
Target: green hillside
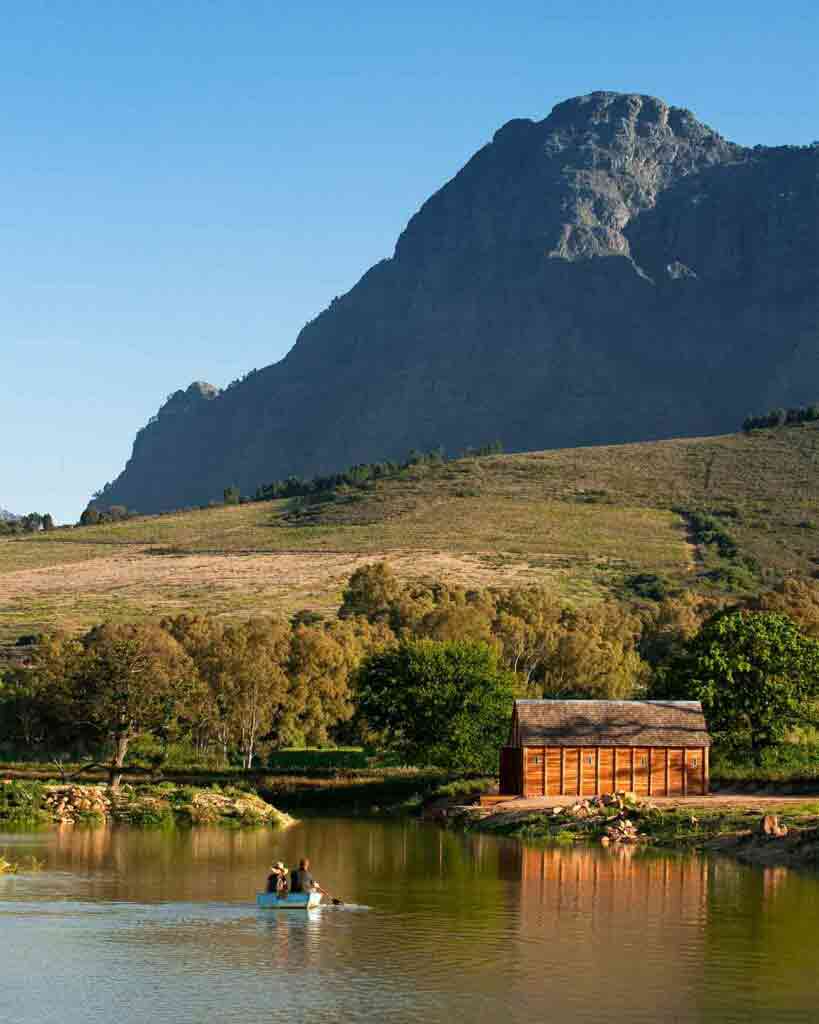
722 513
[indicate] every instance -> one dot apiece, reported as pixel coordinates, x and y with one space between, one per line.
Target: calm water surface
132 925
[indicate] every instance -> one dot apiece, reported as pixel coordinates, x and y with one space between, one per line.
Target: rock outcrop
157 805
617 271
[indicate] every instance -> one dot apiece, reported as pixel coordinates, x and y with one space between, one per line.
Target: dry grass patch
578 520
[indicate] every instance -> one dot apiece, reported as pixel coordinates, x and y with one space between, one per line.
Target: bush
789 762
21 803
317 760
648 586
446 704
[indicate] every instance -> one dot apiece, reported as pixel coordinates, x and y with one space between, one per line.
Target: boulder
769 826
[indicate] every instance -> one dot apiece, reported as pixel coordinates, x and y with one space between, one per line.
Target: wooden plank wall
608 783
623 760
586 771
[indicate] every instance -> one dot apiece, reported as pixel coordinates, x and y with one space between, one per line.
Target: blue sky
185 184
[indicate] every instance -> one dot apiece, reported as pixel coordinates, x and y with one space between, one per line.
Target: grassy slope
579 520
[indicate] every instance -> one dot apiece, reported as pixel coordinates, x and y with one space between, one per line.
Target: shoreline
765 830
726 823
33 804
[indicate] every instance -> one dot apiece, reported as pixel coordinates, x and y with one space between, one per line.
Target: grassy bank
241 798
388 791
31 804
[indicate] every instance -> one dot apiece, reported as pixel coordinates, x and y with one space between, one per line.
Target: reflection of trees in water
146 864
562 929
349 858
767 917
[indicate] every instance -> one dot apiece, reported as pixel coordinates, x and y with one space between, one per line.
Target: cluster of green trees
756 673
237 688
426 670
360 475
92 515
782 417
32 523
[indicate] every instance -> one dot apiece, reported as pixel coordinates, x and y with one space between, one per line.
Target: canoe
292 901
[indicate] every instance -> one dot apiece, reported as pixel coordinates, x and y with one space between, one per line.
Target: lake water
130 925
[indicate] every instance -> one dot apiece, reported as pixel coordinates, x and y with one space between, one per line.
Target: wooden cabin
589 747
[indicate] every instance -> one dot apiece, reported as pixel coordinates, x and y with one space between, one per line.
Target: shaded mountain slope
615 272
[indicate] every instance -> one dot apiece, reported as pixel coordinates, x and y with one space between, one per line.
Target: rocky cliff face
615 272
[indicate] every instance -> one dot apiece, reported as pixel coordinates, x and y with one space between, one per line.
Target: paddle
333 899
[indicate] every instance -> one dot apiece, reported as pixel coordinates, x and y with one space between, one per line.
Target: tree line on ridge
425 669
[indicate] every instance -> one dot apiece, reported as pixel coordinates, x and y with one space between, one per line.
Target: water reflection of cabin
585 747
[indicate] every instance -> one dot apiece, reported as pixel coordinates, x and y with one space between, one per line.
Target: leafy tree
249 662
247 694
447 704
24 707
756 674
370 592
48 522
585 654
667 626
456 622
527 625
207 715
231 495
128 680
798 599
322 660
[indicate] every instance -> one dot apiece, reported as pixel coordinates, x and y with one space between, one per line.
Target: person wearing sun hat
277 879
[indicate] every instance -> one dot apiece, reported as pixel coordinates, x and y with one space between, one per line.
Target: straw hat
278 866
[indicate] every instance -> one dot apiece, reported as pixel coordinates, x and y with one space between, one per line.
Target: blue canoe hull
292 901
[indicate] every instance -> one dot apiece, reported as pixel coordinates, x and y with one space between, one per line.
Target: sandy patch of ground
232 571
137 583
731 801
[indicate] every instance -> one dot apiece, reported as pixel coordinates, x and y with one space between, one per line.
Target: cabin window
537 759
643 761
695 761
589 759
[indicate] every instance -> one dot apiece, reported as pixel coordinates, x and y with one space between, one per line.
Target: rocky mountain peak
569 183
180 401
618 151
615 271
201 389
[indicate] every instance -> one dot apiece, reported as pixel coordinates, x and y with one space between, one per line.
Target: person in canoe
301 880
277 879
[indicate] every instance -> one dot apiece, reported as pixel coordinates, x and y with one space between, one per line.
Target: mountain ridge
614 272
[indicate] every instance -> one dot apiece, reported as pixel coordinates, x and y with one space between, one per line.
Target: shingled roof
609 723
